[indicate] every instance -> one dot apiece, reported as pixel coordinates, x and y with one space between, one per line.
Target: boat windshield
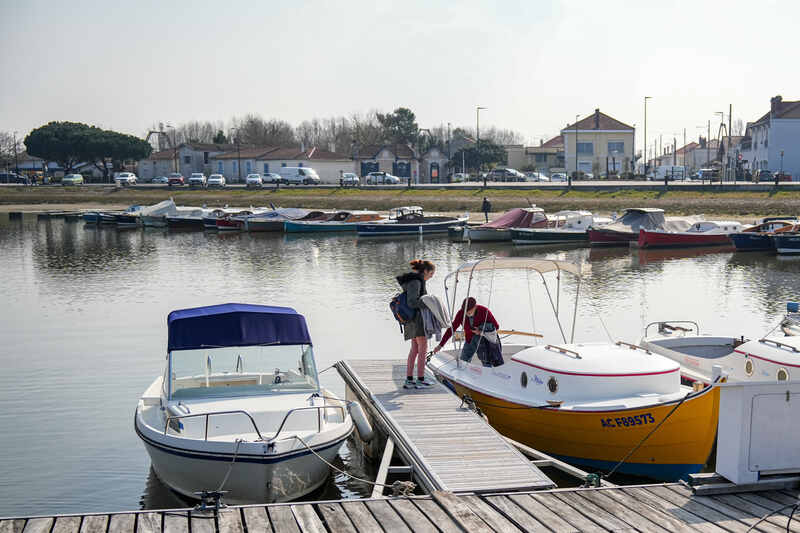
242 371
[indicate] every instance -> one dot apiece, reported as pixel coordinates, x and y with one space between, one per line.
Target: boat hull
487 235
184 222
291 226
91 217
374 230
787 244
600 439
227 224
154 221
252 479
548 236
605 237
751 242
665 239
264 225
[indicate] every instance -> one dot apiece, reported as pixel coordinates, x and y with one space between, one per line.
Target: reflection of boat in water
409 221
241 408
653 255
593 404
765 359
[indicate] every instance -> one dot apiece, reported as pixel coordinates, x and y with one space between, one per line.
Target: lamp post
16 161
174 147
478 139
238 153
646 162
569 178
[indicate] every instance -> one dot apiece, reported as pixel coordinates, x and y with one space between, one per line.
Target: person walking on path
413 284
477 320
486 206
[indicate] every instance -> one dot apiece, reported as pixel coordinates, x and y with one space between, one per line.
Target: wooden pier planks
459 449
662 507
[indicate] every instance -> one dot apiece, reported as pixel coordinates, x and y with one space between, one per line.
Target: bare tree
738 127
254 130
7 148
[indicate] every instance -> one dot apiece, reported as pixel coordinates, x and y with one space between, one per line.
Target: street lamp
646 162
16 161
238 152
174 147
478 138
569 178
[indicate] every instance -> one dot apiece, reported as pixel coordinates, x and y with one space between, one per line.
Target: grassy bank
733 203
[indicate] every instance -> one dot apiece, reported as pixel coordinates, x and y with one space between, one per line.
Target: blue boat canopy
217 326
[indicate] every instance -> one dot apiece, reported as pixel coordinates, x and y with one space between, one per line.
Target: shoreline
734 204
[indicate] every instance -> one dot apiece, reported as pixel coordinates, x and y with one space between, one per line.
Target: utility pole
569 185
646 162
16 161
708 145
684 151
478 139
730 161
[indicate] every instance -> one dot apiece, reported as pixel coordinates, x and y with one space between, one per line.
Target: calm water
83 328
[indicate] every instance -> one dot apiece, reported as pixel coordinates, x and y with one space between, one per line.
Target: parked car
299 175
271 177
216 180
506 174
125 178
254 181
558 176
782 176
198 179
72 179
348 178
535 176
160 179
460 177
176 179
381 178
12 177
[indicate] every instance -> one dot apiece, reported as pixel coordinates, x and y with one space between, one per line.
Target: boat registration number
627 421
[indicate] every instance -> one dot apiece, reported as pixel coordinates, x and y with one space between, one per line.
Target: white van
671 172
298 175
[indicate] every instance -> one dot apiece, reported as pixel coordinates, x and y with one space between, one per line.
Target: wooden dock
661 508
449 447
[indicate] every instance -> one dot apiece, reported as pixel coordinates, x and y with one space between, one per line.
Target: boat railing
667 325
779 344
318 408
561 349
213 413
632 346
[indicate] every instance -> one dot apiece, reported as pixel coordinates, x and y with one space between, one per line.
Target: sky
533 64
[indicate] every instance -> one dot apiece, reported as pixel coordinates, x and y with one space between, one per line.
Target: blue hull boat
430 225
787 243
751 242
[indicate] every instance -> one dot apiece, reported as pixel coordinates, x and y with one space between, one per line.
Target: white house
269 159
773 141
186 158
397 159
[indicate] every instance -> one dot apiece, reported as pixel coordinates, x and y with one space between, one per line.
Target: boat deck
661 508
450 447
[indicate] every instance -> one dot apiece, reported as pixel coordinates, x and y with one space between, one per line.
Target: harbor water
83 328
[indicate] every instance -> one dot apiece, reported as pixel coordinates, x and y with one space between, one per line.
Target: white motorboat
769 358
566 227
239 408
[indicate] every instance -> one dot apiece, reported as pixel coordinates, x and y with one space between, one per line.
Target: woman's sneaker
423 383
410 384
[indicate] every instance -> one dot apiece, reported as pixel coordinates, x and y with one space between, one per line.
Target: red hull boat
664 239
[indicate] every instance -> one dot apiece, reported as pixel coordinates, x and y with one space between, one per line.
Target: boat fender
360 420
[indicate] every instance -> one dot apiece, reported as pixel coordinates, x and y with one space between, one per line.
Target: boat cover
232 324
650 219
516 218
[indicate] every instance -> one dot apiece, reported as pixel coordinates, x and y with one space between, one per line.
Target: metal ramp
449 447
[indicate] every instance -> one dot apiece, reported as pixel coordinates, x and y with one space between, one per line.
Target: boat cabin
715 226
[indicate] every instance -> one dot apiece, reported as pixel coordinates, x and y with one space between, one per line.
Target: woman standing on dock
413 284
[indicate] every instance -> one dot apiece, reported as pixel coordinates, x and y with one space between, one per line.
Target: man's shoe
421 382
410 384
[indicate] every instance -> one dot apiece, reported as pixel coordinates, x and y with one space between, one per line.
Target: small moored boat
757 238
625 229
703 233
787 241
339 221
499 230
274 220
568 227
239 407
409 220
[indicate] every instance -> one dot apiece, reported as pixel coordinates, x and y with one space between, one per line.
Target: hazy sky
534 64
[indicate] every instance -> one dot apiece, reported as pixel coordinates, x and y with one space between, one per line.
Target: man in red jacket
476 320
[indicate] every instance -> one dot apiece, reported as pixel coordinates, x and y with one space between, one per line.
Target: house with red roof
598 144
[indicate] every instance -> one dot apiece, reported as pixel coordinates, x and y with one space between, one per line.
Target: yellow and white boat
592 404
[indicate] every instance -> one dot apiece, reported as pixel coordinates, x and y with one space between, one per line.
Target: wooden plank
176 522
361 518
38 525
542 513
627 511
755 509
229 521
122 523
203 522
307 518
386 516
567 512
283 519
653 514
459 511
94 524
489 514
336 519
516 514
730 488
695 506
383 470
778 496
12 526
255 519
72 524
436 514
595 513
412 516
696 522
148 523
742 515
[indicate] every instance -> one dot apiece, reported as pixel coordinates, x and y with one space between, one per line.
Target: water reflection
83 324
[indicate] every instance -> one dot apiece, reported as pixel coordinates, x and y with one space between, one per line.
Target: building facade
598 144
773 141
185 158
548 157
396 159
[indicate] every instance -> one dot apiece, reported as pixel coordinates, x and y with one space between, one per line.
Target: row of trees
69 143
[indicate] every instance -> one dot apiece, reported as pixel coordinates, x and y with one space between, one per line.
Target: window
219 166
249 167
187 159
541 158
615 146
300 164
235 166
585 148
266 168
283 164
205 158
